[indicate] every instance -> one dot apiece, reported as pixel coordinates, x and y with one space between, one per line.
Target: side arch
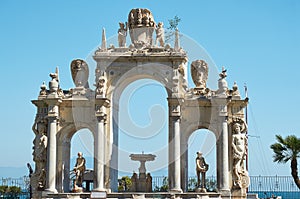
64 136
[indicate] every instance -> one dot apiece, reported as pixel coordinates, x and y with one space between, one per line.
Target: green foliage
173 25
10 192
164 187
192 184
124 184
15 189
286 149
3 189
211 185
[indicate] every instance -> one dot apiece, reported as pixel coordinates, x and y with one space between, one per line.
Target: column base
100 190
99 193
225 193
176 190
50 190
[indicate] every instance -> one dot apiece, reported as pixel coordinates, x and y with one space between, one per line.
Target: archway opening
204 141
143 127
83 141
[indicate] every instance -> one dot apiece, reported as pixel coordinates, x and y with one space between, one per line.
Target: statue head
199 154
199 70
237 127
80 154
122 26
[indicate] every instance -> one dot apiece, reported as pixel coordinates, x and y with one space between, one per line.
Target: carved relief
80 73
141 27
239 153
101 87
40 154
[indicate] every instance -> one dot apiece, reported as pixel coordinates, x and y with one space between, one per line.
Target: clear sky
257 41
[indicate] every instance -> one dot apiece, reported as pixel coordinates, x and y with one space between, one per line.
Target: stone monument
62 112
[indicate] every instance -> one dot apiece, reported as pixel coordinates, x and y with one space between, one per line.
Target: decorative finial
177 42
53 84
223 73
57 73
246 90
235 86
103 45
43 90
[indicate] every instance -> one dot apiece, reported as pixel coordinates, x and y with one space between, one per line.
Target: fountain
143 183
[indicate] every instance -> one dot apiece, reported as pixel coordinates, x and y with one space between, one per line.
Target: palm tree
285 150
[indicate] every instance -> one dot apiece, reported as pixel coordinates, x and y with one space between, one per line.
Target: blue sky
257 41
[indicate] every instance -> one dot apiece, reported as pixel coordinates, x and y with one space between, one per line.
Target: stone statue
222 84
40 154
160 34
199 70
79 170
101 86
134 179
235 91
122 33
148 183
239 152
201 168
80 73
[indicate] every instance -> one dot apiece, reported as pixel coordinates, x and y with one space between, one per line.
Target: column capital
175 107
102 102
101 118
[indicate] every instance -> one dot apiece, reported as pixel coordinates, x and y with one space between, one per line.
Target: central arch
143 125
159 73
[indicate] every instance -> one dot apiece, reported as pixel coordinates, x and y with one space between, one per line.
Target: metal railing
265 186
22 182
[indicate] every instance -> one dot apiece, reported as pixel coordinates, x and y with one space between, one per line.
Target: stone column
51 154
99 143
99 154
52 145
174 145
223 156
